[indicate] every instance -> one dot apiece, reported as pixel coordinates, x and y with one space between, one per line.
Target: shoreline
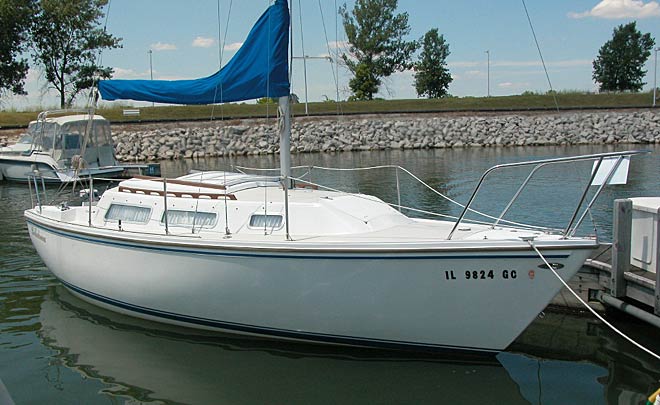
382 132
199 139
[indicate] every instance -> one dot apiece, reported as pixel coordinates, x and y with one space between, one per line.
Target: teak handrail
182 182
182 194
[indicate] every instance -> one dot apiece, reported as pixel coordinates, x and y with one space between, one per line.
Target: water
57 349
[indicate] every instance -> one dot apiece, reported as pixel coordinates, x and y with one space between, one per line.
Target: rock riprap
194 140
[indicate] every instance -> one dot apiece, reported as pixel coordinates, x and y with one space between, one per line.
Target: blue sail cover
259 69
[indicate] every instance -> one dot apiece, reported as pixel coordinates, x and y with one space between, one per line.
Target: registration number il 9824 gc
482 274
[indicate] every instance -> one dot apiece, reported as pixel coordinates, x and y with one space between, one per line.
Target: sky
186 38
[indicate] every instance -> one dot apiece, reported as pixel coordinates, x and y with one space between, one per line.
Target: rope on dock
629 339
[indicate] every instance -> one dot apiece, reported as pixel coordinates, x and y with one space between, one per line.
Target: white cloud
509 85
571 63
463 64
528 63
234 46
405 73
621 9
121 73
174 77
160 46
518 63
203 42
33 75
338 44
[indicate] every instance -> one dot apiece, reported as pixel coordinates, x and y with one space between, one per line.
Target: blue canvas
259 69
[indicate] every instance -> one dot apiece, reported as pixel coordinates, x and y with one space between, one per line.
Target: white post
285 139
151 65
655 74
488 71
91 198
167 229
151 68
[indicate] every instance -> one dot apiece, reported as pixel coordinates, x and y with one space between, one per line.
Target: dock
626 273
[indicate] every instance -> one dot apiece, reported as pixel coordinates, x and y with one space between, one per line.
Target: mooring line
629 339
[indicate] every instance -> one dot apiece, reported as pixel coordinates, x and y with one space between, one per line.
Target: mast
285 138
285 116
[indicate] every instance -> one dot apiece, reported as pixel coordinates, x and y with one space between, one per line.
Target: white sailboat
260 255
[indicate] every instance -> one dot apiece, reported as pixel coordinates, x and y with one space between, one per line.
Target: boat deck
317 219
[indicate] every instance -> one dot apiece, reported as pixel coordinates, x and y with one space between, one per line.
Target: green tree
620 62
66 38
377 48
432 77
15 19
266 100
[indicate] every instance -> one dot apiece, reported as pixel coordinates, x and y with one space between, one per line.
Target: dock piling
622 229
656 306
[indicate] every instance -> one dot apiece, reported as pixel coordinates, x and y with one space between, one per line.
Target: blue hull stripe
230 253
279 333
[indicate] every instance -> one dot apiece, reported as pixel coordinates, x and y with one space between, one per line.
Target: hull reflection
151 361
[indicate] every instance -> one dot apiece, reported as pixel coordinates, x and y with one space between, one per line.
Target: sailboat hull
475 300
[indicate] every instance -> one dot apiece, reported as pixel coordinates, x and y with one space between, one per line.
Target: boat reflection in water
148 361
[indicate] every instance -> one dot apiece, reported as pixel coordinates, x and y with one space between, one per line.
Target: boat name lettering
35 232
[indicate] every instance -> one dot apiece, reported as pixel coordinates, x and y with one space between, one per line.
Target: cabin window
128 213
265 221
190 218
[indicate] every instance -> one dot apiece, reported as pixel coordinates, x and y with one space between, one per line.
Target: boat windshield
25 139
65 140
42 135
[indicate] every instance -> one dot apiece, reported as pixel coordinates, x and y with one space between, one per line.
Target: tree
266 100
620 61
377 48
432 77
15 19
66 38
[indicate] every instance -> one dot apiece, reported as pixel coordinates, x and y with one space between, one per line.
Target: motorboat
23 144
284 257
64 146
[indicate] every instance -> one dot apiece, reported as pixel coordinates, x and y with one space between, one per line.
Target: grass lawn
230 111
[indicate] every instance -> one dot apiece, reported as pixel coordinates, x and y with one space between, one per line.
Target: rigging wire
336 12
222 40
304 56
268 66
547 76
327 43
91 106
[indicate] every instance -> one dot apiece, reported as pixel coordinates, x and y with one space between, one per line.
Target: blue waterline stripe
291 256
275 332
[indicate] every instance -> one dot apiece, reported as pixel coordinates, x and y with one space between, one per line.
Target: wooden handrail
306 185
182 194
182 182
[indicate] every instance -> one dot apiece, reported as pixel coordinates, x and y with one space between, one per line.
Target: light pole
655 74
151 67
488 71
